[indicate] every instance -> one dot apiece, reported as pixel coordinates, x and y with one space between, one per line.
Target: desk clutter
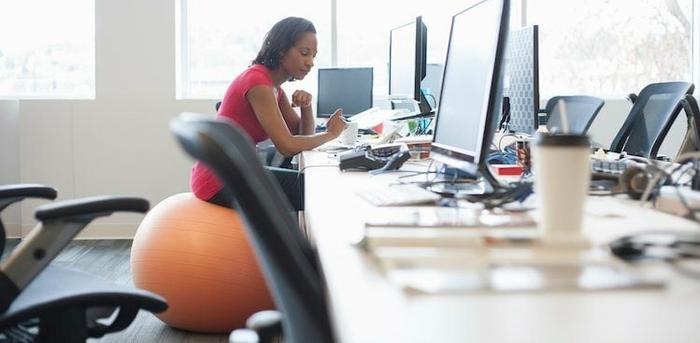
439 260
456 246
443 250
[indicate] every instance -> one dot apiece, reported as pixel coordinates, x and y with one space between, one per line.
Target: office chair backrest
284 254
650 118
581 110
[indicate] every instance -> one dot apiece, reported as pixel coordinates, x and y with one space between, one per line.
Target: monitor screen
470 99
346 88
521 80
402 61
407 60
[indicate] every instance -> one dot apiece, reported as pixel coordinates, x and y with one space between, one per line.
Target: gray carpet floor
109 259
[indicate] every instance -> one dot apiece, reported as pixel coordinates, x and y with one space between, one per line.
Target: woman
256 102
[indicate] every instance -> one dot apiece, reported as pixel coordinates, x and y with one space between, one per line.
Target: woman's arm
266 108
303 99
290 116
306 125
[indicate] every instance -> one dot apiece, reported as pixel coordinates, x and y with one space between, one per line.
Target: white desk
366 307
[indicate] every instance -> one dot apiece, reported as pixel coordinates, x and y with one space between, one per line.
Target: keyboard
446 217
397 195
609 169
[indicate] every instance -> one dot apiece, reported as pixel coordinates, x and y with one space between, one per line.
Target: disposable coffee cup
349 135
562 176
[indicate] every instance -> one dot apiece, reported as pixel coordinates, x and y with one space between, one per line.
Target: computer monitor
521 81
346 88
407 63
472 89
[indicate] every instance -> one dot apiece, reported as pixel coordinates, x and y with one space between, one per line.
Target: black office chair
46 303
287 258
652 115
581 110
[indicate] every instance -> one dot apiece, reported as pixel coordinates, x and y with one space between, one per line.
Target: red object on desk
507 169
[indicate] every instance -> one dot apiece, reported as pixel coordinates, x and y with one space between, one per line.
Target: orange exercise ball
196 255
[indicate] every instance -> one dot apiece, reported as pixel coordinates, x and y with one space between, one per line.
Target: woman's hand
301 99
336 124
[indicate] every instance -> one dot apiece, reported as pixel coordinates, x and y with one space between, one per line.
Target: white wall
9 160
118 143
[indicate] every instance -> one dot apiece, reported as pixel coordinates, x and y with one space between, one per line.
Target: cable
517 192
692 212
301 171
650 187
415 174
432 97
500 140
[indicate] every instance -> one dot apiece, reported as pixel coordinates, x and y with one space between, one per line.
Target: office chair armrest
632 98
690 106
542 110
262 327
60 223
92 207
10 194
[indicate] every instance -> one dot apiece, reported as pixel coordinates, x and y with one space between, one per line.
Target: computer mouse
656 245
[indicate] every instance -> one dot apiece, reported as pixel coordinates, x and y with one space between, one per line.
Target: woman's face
299 59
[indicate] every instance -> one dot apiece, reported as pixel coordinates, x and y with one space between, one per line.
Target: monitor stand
462 188
460 183
424 109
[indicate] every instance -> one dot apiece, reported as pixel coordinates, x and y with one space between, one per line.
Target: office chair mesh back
285 256
650 118
581 110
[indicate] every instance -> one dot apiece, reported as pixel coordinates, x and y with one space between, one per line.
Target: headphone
639 179
643 181
635 180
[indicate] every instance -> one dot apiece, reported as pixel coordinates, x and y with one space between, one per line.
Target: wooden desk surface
366 307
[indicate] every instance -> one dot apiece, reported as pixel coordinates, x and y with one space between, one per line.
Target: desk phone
383 157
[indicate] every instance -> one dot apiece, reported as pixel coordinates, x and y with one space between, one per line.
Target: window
598 47
363 36
611 48
220 38
47 49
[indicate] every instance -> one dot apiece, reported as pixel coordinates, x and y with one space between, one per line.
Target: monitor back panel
347 88
521 82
